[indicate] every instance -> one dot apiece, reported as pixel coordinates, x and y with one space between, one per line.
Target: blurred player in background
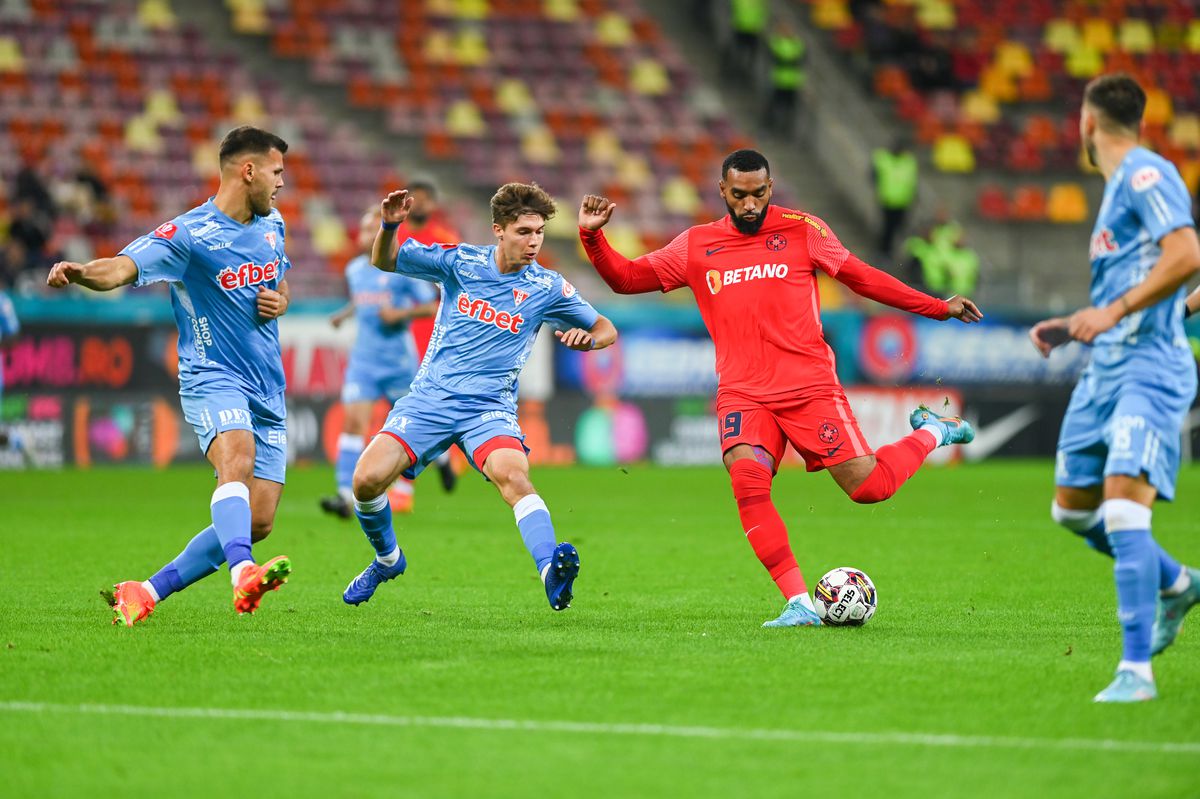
9 327
225 262
426 224
382 362
496 298
1119 446
754 277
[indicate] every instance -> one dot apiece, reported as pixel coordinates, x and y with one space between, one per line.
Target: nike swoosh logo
991 438
714 249
834 451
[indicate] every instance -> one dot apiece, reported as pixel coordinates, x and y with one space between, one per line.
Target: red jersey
434 231
758 296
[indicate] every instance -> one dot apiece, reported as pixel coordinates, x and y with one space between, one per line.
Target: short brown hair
249 140
513 200
1118 98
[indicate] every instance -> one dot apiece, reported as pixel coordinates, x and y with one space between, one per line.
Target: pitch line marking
597 728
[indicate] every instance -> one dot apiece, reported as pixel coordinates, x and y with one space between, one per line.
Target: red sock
894 464
764 529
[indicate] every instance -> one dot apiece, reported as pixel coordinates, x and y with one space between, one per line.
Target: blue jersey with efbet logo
1144 200
215 266
488 321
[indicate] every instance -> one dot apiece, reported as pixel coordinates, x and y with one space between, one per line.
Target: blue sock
375 518
231 521
201 557
1097 538
349 448
537 531
1087 524
1136 572
1168 569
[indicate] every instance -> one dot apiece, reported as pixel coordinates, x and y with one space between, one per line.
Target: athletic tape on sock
371 505
228 490
1125 514
527 505
1077 521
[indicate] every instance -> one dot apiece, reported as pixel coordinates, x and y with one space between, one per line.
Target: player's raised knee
369 481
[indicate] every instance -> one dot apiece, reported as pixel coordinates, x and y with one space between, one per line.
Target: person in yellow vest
748 25
946 264
787 79
894 172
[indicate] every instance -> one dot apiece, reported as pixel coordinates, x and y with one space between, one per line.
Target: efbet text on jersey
483 311
247 274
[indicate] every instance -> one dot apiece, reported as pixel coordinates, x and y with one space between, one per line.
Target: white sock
347 496
805 600
443 459
149 586
935 430
391 558
235 571
545 571
1142 670
1182 583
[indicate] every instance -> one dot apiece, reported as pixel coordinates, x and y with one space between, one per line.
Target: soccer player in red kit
754 275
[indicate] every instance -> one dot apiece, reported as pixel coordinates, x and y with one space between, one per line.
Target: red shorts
822 429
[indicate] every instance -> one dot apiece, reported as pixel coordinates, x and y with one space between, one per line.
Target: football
845 597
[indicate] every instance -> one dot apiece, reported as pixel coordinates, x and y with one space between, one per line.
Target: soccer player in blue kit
494 300
383 360
1119 447
225 262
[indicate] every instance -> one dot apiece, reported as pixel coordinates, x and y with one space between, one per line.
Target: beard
418 219
745 227
261 206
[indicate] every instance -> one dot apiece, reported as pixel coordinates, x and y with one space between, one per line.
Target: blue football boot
363 586
795 614
560 577
953 429
1171 610
1128 687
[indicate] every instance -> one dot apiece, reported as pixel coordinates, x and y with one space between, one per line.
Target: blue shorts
1125 427
428 425
222 404
367 384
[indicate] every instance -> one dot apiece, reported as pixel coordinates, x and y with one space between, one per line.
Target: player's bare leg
751 470
507 466
874 478
380 464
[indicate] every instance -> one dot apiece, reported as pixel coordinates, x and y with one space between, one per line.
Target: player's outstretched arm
603 333
1179 262
875 284
1050 333
394 208
103 274
621 274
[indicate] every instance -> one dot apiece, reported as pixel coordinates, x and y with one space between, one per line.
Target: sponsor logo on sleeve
1145 177
1103 243
568 290
270 237
165 231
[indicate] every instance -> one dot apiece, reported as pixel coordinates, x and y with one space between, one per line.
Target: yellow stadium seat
141 135
936 15
464 119
1084 62
156 15
538 146
1159 109
833 15
614 30
952 153
679 196
161 107
561 10
979 107
1193 36
1014 59
1097 33
1135 36
1066 204
648 76
603 147
999 85
1184 132
11 59
328 235
513 96
1060 36
1190 172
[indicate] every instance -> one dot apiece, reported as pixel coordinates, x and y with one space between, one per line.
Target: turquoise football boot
1128 687
1171 610
953 429
795 614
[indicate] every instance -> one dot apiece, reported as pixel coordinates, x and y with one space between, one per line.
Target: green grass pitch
975 678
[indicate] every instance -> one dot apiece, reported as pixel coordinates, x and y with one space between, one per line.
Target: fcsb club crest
828 432
776 241
270 237
713 278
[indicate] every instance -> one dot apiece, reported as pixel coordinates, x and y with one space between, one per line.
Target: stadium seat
1028 203
952 153
1135 36
992 203
1066 203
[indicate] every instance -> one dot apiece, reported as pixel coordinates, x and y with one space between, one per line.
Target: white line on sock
897 738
